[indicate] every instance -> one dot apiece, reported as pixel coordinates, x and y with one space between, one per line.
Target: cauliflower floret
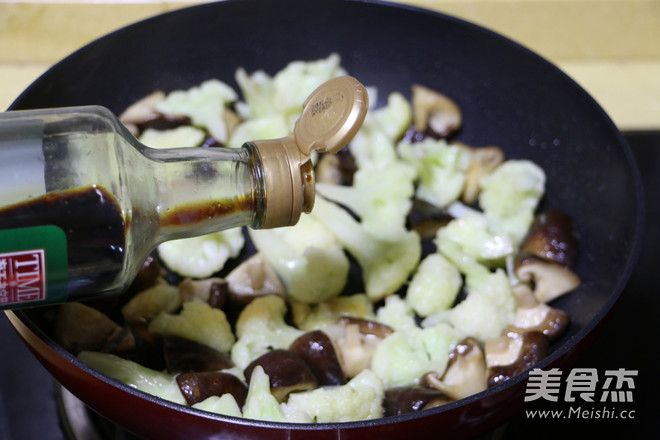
397 313
179 137
434 286
149 303
131 373
374 144
204 105
282 94
441 169
261 327
360 399
260 404
386 264
510 194
471 235
225 404
381 204
486 311
308 259
310 317
198 322
268 127
201 257
405 356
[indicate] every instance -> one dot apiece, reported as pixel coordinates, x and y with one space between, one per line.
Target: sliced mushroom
434 112
465 374
548 279
318 351
367 326
407 399
213 291
357 341
231 119
184 355
552 237
484 160
80 327
251 279
149 275
197 387
286 371
141 111
532 315
426 219
512 354
337 168
327 313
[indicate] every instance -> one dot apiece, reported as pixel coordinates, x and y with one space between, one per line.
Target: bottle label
33 266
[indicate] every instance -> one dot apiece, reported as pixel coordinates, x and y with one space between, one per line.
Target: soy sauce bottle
83 203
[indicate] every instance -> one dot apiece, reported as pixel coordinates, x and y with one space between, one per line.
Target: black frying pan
509 96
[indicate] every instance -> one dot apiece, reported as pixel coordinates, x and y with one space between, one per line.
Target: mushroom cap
213 291
552 237
406 399
465 374
513 353
80 327
253 278
287 373
484 160
184 355
434 112
198 386
550 279
317 350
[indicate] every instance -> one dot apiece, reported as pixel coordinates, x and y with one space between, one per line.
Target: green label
33 266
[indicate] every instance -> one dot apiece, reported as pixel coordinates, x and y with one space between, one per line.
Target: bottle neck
202 190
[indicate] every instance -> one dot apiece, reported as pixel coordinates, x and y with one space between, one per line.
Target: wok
509 96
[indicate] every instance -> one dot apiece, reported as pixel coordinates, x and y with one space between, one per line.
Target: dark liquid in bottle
94 227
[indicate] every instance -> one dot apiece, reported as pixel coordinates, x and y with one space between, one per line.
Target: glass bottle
83 203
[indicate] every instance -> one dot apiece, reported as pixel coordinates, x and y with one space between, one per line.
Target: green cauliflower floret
260 404
307 258
488 308
131 373
382 204
375 143
441 169
471 236
201 257
149 303
184 136
225 404
282 94
509 196
360 399
268 127
386 264
405 356
260 328
204 105
397 313
198 322
434 286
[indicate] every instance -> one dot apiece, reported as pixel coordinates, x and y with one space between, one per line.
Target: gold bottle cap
332 115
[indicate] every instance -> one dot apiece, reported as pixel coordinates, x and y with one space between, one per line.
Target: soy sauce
95 233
